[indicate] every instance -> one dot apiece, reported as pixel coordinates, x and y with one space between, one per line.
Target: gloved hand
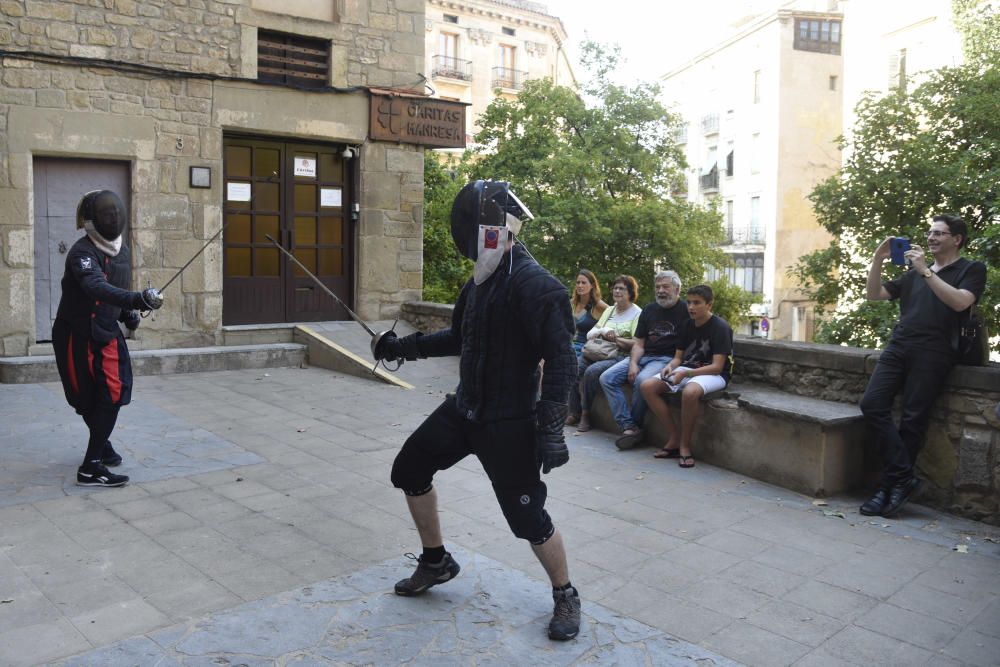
149 299
130 319
550 444
393 348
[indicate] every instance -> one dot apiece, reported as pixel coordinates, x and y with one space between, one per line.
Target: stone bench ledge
784 405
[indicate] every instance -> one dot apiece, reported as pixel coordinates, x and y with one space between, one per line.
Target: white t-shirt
620 323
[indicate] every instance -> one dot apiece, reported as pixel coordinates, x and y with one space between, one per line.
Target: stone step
42 368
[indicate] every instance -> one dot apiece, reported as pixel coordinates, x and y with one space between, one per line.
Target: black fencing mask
103 212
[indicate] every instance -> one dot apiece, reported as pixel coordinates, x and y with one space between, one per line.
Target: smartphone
897 246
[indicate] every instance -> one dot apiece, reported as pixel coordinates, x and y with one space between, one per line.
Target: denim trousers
581 397
612 381
918 374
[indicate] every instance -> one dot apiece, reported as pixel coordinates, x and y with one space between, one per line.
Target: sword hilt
378 342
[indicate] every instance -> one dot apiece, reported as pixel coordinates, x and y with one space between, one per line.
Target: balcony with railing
511 79
681 134
710 123
752 234
451 68
709 182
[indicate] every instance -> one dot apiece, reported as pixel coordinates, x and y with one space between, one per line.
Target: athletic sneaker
427 575
109 457
565 623
95 474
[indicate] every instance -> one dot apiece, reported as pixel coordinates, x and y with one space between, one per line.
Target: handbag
599 349
971 342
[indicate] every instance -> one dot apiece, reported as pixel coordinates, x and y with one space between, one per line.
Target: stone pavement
261 529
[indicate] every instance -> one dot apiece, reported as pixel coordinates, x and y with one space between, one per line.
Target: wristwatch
928 273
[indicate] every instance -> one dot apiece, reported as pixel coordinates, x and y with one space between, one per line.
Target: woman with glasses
616 325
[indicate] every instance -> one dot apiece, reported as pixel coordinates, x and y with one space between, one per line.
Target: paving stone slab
41 459
489 615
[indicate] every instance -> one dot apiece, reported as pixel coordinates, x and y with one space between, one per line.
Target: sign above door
418 120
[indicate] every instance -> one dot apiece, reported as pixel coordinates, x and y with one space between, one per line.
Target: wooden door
300 195
59 185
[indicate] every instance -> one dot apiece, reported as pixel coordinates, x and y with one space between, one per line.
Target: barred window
291 60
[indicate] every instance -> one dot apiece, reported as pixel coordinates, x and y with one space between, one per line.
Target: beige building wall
890 35
480 30
771 106
162 121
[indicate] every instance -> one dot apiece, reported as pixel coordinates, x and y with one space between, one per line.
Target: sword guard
378 343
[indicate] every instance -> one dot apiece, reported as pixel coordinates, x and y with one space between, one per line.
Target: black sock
561 589
433 555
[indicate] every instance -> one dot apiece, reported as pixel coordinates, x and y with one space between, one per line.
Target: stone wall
157 84
961 458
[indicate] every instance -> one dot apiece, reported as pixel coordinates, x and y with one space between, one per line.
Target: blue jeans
612 381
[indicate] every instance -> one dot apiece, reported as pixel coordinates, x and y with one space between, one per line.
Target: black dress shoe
875 505
899 494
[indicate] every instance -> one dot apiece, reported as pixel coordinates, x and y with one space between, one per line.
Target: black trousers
506 450
919 374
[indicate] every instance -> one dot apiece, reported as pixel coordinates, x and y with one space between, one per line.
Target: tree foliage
597 170
911 155
445 269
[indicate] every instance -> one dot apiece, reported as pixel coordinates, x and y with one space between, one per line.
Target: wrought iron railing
452 68
710 181
512 79
710 123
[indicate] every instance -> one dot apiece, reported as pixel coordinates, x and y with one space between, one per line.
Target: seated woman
587 307
616 325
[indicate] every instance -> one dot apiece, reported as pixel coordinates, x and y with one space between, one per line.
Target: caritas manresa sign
417 120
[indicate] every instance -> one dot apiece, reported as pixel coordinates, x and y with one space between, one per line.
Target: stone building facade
478 49
199 113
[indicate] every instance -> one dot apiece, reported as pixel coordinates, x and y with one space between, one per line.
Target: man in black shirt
920 353
656 337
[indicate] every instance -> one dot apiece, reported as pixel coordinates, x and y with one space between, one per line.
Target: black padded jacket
502 329
95 290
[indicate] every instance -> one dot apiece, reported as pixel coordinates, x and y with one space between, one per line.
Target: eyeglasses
935 233
619 287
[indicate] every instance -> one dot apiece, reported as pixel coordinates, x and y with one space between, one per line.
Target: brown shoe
572 420
584 425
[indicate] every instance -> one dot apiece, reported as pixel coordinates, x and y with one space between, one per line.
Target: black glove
550 444
148 299
393 348
130 319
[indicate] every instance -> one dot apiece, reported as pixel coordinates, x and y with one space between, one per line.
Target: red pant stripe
71 367
109 364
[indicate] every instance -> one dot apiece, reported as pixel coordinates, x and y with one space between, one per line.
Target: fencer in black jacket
91 354
511 316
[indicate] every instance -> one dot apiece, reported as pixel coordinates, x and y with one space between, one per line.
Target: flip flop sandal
685 461
665 453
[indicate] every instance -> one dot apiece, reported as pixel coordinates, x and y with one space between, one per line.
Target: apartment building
478 49
764 107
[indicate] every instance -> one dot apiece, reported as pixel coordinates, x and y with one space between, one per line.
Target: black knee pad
524 509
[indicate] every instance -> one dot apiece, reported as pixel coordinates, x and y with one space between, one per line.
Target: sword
377 338
181 270
194 257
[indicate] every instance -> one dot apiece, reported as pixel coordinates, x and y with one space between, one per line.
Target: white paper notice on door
237 191
305 166
329 197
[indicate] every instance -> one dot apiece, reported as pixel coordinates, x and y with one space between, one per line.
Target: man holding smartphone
920 354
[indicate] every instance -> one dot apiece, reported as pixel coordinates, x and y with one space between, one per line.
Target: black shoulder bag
970 342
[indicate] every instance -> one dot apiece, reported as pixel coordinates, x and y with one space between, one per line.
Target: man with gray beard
656 338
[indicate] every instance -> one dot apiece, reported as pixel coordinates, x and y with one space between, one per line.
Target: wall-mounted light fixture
201 177
348 153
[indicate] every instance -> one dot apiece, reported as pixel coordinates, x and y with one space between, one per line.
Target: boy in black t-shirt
702 364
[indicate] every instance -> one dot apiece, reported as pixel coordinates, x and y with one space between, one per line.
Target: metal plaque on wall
417 120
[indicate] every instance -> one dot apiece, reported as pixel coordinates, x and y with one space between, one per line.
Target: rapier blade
322 286
193 257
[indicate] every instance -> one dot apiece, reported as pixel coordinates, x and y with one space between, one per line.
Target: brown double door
300 195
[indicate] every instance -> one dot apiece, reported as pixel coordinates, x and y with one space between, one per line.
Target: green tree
910 156
445 269
598 171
